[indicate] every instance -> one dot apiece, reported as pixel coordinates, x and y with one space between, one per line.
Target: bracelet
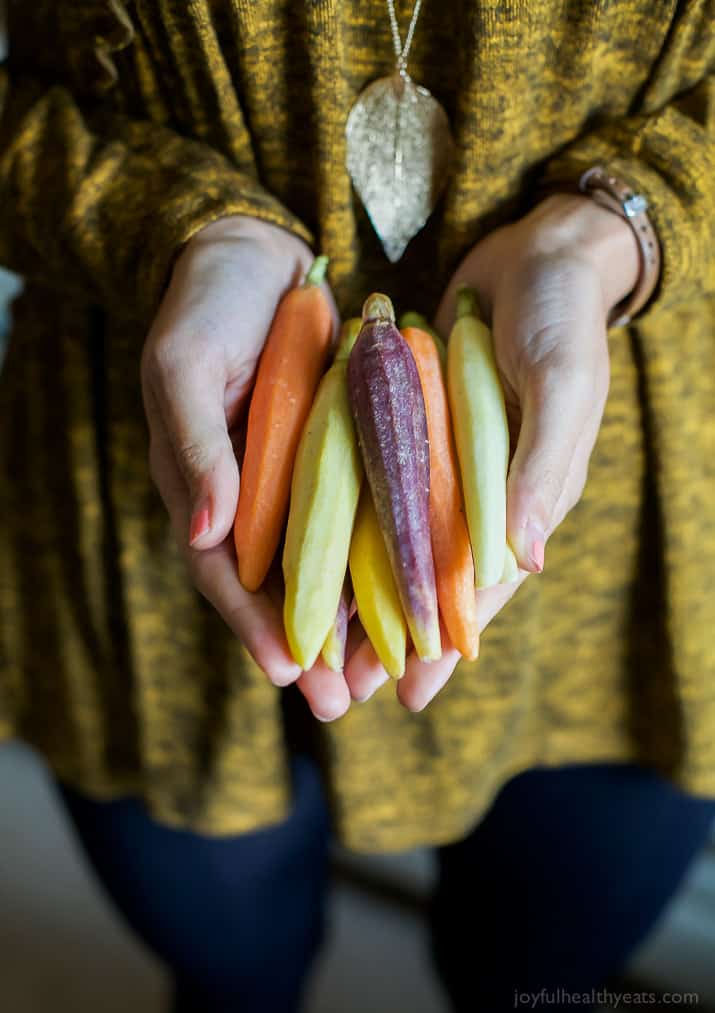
614 195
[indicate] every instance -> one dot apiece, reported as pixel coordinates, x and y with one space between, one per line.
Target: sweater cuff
185 210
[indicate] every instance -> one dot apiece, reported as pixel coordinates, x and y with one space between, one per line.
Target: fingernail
286 676
537 554
372 690
200 522
535 540
533 545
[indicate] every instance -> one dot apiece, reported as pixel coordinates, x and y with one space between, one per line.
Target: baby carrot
288 375
481 435
412 319
378 603
451 548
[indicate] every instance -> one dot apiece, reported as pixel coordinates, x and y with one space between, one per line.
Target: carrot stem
317 272
413 319
348 336
468 303
378 307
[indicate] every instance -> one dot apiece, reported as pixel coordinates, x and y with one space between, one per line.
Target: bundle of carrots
390 468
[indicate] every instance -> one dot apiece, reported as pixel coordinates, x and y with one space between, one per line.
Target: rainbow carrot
451 548
288 375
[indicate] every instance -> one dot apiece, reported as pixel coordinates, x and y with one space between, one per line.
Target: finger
578 472
252 617
198 381
364 673
466 274
190 398
444 318
274 587
326 691
491 600
423 680
560 395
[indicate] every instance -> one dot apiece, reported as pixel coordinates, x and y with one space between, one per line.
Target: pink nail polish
532 545
537 554
200 523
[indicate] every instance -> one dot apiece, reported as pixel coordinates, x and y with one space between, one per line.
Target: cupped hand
197 370
546 285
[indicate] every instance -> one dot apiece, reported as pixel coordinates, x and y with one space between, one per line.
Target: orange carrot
451 548
288 375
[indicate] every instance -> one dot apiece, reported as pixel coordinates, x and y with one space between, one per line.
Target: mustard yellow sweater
125 128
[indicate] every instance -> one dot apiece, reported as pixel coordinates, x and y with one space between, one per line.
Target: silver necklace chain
402 52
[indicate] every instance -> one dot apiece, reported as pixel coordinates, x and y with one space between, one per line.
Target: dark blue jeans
553 889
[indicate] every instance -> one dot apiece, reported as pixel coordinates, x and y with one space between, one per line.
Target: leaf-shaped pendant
399 151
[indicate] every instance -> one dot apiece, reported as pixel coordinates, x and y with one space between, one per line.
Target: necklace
399 148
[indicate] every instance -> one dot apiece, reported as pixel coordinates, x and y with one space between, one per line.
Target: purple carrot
389 412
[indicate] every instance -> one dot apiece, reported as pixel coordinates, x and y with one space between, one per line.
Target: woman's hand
197 370
546 285
198 367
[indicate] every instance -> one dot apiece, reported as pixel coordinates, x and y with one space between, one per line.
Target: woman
165 170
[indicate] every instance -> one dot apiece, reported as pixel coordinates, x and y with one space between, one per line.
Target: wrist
288 256
246 227
577 226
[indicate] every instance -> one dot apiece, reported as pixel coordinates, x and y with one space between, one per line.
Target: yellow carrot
481 434
378 602
511 567
324 496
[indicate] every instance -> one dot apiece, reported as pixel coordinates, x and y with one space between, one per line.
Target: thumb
557 398
191 401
